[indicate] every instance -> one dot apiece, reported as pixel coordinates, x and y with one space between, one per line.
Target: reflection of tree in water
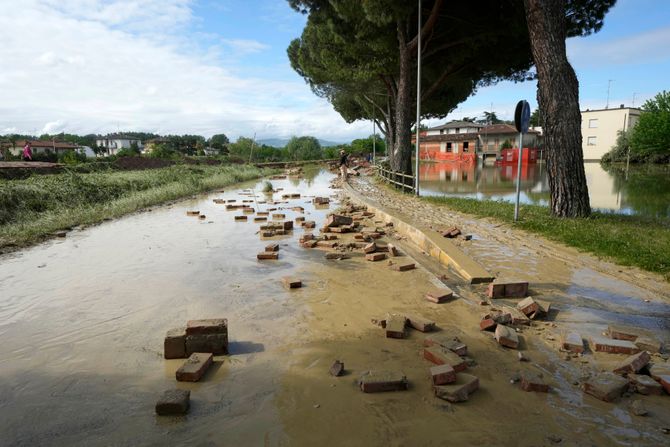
308 176
646 191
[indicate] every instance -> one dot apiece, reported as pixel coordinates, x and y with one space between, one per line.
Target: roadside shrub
45 156
127 152
71 158
164 152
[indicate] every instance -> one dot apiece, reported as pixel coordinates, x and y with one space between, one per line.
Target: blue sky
205 67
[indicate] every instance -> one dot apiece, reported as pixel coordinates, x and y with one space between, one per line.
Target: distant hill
281 142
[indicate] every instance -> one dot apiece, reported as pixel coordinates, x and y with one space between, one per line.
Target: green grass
34 208
627 240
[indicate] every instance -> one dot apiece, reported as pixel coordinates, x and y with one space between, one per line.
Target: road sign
522 116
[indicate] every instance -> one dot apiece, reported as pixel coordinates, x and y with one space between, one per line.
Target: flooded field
82 321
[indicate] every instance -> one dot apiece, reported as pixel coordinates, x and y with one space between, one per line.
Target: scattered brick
326 244
287 225
392 250
451 233
267 255
336 220
370 248
648 344
380 381
614 346
665 382
309 244
441 356
442 374
202 217
263 213
192 213
403 267
528 306
439 295
241 218
375 257
195 367
532 381
506 337
321 200
622 333
299 219
517 317
645 385
260 219
173 403
659 369
337 368
421 324
458 391
309 224
248 211
336 256
395 326
278 216
507 290
573 342
606 386
174 345
267 234
272 247
291 282
487 324
207 326
450 342
216 344
633 364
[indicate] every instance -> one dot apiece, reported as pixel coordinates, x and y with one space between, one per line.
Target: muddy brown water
82 321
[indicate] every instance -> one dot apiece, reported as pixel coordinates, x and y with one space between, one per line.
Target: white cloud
245 46
99 65
646 47
54 127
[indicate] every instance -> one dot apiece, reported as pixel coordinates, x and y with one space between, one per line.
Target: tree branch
428 26
441 80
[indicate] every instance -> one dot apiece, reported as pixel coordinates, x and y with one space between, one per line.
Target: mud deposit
82 321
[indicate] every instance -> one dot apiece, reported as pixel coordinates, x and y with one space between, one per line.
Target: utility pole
634 95
252 147
609 83
418 105
374 139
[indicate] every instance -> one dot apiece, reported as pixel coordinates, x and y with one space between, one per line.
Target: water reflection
643 190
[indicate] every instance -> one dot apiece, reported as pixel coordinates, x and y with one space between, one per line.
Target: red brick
279 216
439 295
528 306
241 218
648 344
506 337
272 247
495 290
299 219
531 381
173 403
442 374
487 324
450 342
192 213
622 333
309 224
262 213
248 211
633 364
645 385
380 381
395 326
309 244
370 248
403 267
392 250
665 382
573 342
421 324
291 282
214 343
614 346
174 345
207 326
337 369
375 257
336 220
512 289
606 386
267 255
440 356
260 219
659 369
458 391
195 367
326 244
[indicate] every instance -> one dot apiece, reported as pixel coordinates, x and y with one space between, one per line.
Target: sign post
521 121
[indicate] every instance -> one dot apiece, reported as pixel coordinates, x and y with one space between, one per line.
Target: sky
220 66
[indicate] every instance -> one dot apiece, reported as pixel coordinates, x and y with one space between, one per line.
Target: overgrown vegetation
33 208
627 240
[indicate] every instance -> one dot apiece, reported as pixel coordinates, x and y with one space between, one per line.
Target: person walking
343 163
27 152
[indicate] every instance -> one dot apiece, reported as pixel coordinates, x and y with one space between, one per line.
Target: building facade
114 143
600 129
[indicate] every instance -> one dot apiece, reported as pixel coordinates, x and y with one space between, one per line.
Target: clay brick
321 200
241 218
614 346
336 220
380 381
392 250
267 255
517 317
645 385
528 306
291 282
420 324
299 219
214 343
262 213
442 374
506 337
395 326
195 367
495 290
449 342
173 403
260 219
174 345
272 247
326 244
207 326
278 216
633 364
370 248
267 233
248 211
451 233
440 356
359 237
403 267
439 295
573 342
375 257
531 381
192 213
458 391
606 386
309 224
512 289
659 369
622 333
664 380
309 244
202 216
336 369
648 344
336 256
487 324
287 225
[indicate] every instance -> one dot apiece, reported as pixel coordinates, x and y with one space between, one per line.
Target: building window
458 130
591 141
441 131
593 124
448 147
466 145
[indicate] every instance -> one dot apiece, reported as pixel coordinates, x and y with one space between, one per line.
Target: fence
397 179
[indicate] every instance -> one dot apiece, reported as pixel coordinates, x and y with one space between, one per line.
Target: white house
114 143
600 129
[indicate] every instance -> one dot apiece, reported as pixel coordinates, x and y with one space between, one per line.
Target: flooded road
82 322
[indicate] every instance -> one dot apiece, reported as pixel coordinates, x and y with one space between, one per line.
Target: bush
164 152
127 152
71 157
45 156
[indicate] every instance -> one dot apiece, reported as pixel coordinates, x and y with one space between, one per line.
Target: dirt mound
139 163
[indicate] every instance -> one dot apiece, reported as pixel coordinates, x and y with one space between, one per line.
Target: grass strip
626 240
34 208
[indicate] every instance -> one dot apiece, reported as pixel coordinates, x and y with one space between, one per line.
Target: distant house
454 141
600 129
113 143
43 147
495 135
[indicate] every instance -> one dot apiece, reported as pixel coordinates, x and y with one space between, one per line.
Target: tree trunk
401 159
558 98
